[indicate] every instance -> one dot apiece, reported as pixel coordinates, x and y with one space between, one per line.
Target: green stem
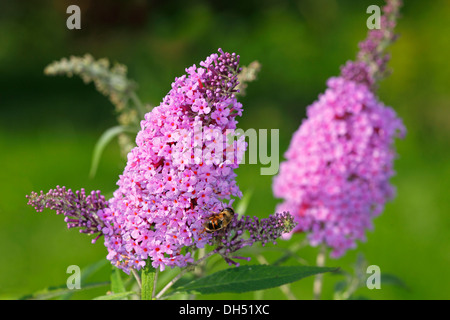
139 106
182 272
148 282
317 289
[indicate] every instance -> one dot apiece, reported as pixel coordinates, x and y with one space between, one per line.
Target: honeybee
219 221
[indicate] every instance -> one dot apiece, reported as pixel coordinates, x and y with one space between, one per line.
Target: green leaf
241 207
56 291
104 139
92 268
251 278
117 285
340 286
65 293
391 279
115 296
85 274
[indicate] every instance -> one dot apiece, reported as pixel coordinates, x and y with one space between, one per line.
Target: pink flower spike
166 181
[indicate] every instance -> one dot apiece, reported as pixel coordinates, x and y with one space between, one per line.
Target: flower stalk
318 280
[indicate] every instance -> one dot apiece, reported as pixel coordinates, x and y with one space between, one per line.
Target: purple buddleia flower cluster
246 231
80 210
335 179
180 171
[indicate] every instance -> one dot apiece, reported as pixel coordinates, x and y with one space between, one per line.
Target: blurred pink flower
336 175
335 179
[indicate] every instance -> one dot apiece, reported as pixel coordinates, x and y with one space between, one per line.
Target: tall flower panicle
80 210
335 179
371 61
178 175
180 170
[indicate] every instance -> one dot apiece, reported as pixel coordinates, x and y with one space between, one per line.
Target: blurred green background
49 125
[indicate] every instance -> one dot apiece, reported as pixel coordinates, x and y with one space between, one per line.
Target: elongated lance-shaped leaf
103 141
251 278
242 206
117 284
85 274
58 291
391 279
